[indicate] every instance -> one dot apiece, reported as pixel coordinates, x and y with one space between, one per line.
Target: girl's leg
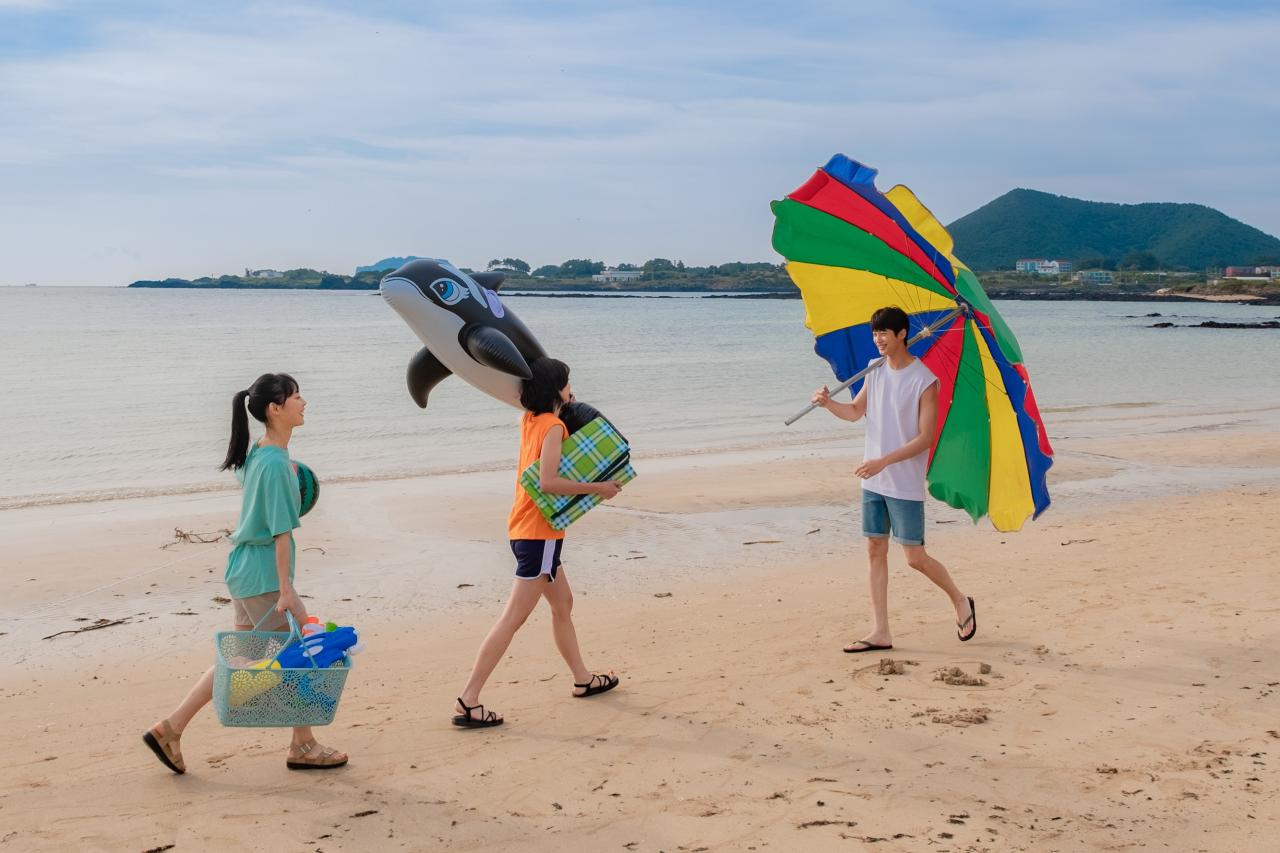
201 694
560 596
165 734
919 559
164 738
524 597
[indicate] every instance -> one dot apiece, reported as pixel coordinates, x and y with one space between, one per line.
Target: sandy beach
1129 697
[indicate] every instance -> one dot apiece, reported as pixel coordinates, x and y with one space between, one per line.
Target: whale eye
449 291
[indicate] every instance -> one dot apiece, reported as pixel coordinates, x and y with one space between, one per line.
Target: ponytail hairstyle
540 394
266 389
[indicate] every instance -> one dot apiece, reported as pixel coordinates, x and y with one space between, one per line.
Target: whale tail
425 372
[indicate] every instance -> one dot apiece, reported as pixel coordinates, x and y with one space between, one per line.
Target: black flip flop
866 647
973 617
607 683
487 719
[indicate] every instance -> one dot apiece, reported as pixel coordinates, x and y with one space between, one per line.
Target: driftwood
101 623
180 536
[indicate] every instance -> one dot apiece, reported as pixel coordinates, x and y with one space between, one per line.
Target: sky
149 140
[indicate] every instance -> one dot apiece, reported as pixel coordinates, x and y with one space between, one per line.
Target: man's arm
914 447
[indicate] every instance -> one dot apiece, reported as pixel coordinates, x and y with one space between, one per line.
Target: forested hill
1032 224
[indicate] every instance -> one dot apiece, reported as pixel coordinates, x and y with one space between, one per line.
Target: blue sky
143 140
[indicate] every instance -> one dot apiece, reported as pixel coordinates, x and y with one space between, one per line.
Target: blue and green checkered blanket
595 453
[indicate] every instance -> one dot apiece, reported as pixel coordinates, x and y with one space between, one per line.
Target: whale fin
425 372
493 349
491 280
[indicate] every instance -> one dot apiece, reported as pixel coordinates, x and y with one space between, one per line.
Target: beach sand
1133 697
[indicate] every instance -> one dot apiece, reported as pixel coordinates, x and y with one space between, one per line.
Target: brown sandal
165 744
304 757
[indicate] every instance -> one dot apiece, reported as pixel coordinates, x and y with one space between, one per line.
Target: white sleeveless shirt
893 419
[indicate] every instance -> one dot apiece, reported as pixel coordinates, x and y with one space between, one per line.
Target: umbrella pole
920 335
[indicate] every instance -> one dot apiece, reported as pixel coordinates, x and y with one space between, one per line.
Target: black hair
890 319
540 393
266 389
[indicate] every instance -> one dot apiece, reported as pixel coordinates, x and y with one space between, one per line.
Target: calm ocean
111 392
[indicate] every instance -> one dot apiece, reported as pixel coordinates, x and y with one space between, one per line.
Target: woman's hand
290 601
609 489
821 397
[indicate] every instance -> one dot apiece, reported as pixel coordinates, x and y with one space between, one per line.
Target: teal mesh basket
262 697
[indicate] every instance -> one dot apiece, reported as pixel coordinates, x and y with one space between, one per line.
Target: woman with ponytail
259 572
537 546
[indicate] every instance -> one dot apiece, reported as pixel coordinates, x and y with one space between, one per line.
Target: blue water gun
323 648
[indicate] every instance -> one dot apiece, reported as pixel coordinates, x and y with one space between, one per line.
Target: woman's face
290 413
566 394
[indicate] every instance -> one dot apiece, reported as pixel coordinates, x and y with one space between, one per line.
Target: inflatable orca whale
465 328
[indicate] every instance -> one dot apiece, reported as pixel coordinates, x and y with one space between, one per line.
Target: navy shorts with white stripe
537 557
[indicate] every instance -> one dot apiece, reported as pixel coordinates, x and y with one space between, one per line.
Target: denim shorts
882 515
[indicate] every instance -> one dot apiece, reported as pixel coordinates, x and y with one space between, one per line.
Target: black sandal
866 647
591 688
486 719
973 617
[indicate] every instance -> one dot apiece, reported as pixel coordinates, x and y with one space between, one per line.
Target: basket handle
293 629
297 635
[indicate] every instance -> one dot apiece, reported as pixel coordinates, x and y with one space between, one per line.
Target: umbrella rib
961 365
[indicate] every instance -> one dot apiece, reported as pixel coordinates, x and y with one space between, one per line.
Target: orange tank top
525 521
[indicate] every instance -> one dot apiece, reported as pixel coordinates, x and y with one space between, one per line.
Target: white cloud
290 136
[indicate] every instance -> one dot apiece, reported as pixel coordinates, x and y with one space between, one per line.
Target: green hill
1032 224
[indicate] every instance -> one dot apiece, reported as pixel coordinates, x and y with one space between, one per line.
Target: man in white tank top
900 401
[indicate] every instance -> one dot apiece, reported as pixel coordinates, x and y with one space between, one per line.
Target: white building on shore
1043 266
1094 277
617 275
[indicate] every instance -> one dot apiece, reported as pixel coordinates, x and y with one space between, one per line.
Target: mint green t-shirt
269 507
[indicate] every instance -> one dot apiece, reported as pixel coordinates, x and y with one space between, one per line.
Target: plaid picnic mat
593 454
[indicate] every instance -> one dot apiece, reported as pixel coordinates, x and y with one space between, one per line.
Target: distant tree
680 265
548 271
1096 263
1266 260
1140 261
626 267
509 264
580 268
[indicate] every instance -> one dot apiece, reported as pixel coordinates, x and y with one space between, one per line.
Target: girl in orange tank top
536 546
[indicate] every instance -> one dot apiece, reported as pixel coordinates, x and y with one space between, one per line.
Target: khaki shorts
249 610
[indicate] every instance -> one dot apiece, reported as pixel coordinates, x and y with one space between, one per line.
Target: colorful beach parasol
851 249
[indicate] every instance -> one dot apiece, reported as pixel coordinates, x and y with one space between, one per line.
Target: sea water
112 392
